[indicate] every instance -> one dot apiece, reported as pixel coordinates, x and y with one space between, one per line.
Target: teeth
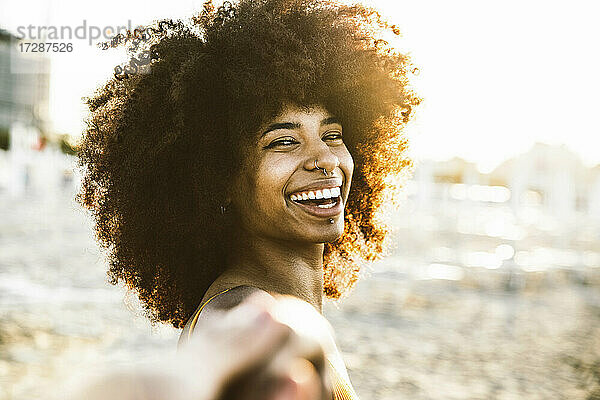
326 205
317 194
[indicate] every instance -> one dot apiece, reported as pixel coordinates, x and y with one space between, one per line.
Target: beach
485 334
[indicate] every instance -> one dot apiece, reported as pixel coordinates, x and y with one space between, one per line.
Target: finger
226 352
291 373
300 381
306 380
257 343
261 299
250 374
305 320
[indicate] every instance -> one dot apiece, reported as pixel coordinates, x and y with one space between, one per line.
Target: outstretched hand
247 353
255 354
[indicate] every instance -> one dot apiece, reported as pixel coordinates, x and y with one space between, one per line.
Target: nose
324 157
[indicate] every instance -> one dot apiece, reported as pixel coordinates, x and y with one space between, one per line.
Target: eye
335 136
283 142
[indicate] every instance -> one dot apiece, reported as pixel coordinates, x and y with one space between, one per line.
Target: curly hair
166 135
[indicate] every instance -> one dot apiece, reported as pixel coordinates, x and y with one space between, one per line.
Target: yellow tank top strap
197 314
342 390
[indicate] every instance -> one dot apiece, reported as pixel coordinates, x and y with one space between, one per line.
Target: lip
320 184
315 211
322 212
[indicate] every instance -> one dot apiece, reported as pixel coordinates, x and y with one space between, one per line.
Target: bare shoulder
216 301
230 298
297 314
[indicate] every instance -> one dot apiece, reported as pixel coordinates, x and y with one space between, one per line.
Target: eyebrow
295 125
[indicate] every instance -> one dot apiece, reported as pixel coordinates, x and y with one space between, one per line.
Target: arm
240 353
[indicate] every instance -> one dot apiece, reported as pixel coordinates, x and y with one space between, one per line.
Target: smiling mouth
321 203
321 198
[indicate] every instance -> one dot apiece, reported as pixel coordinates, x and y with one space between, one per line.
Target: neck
281 267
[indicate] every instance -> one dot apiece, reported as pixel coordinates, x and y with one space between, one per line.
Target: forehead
295 117
291 112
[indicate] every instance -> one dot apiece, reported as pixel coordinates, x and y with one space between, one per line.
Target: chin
332 234
321 231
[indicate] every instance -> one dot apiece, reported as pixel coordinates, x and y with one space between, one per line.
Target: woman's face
280 194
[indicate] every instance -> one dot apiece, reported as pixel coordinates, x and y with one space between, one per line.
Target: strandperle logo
66 32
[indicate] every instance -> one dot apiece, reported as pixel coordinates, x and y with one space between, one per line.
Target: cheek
259 193
268 188
347 167
347 164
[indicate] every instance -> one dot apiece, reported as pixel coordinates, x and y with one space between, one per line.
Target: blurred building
24 89
537 212
550 176
27 163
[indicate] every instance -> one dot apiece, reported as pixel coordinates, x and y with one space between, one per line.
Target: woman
246 153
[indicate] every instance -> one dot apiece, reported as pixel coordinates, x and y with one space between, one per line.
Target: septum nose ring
317 167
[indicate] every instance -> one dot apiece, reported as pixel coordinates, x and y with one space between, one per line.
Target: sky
496 77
